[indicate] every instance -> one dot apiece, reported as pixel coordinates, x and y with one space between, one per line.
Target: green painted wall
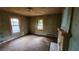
74 41
65 25
5 27
51 23
66 18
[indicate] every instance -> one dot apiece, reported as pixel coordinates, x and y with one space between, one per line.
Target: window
15 25
40 24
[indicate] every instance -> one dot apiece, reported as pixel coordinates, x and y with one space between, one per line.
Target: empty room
29 28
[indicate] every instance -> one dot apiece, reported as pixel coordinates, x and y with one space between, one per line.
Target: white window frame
15 25
40 26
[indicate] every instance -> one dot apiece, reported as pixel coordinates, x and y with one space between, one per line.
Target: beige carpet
27 43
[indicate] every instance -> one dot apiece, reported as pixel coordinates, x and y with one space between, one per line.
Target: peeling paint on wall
51 23
5 26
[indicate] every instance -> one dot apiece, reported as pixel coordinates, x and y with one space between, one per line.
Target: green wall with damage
51 23
5 26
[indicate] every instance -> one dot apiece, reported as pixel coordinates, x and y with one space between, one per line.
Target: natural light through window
15 25
40 24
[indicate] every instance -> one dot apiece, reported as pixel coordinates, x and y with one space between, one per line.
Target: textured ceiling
33 11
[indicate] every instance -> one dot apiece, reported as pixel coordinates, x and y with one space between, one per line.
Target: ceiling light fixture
29 9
